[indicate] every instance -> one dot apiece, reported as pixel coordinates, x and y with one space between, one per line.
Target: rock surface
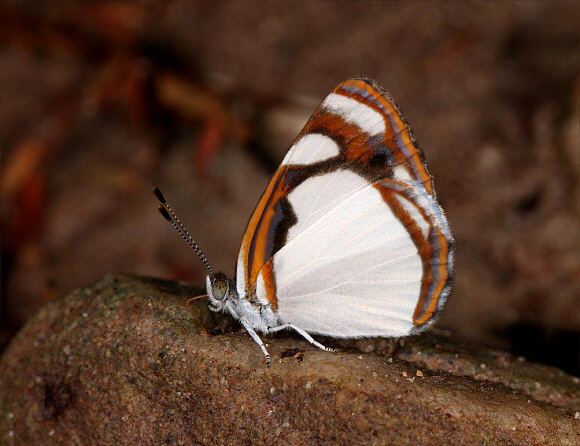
124 362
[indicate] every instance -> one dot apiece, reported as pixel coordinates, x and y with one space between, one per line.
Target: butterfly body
260 317
348 240
255 317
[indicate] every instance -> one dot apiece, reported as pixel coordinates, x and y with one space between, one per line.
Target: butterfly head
218 290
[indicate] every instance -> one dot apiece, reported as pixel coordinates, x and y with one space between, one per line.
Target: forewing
355 139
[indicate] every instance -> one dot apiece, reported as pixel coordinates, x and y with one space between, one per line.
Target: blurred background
101 100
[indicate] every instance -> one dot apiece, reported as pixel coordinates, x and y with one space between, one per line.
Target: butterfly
348 240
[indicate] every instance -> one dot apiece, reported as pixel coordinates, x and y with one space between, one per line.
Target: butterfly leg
303 334
257 340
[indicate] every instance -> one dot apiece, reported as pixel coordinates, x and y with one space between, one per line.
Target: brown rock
124 362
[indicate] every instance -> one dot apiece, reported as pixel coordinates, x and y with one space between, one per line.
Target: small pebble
419 373
360 357
390 360
577 415
404 374
482 366
308 385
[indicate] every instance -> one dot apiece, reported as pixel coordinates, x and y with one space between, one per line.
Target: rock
124 362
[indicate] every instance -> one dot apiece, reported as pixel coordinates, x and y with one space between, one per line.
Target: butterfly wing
348 238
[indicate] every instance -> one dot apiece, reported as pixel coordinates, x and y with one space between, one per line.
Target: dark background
101 100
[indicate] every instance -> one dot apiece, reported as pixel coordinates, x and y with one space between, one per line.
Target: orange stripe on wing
255 237
420 317
354 141
270 283
394 125
424 248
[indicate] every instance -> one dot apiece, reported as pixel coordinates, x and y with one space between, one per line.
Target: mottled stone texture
124 362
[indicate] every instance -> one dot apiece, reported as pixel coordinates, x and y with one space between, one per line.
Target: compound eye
219 284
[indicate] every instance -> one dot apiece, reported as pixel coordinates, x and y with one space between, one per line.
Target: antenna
167 212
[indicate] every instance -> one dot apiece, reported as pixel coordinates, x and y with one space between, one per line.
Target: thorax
259 316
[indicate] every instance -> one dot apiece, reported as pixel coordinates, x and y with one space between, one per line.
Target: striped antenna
167 212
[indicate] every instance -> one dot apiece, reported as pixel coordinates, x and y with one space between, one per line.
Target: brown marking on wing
421 315
424 247
353 142
255 237
394 125
267 272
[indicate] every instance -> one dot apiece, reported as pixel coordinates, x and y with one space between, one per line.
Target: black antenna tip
164 212
159 195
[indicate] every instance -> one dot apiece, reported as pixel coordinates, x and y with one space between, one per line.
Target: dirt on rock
125 362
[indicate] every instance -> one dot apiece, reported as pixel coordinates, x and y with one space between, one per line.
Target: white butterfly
348 239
